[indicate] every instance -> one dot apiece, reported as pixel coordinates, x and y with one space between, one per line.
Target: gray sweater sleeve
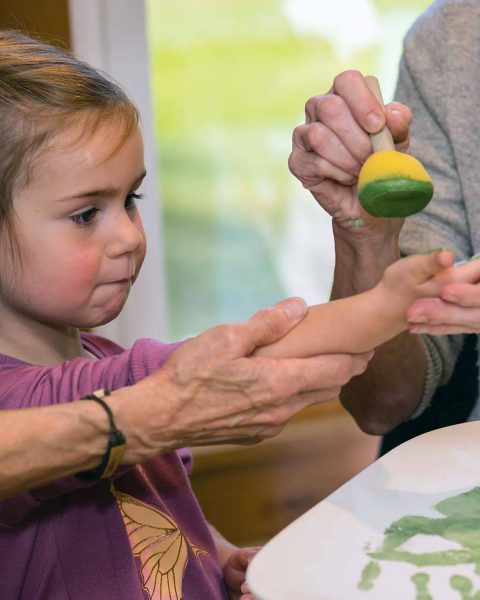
437 62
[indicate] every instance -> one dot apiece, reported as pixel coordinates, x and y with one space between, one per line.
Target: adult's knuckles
226 336
331 109
277 418
318 138
346 79
298 137
311 106
303 168
294 163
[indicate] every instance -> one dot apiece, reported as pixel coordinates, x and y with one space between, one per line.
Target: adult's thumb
271 324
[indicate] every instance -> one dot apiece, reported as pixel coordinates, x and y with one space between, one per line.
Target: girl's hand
234 571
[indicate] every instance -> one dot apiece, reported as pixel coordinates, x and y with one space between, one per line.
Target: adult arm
327 155
431 75
438 81
335 132
209 391
454 91
40 445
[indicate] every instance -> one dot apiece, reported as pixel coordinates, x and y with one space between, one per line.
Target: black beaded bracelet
116 443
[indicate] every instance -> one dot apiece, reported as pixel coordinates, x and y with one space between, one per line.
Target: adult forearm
361 262
40 445
390 390
43 445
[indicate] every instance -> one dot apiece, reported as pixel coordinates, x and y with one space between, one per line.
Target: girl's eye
131 200
85 218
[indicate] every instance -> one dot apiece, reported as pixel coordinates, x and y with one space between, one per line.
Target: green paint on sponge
398 197
394 184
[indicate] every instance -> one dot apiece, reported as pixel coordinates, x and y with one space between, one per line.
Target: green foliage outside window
230 79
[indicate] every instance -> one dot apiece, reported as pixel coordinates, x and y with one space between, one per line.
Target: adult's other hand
458 308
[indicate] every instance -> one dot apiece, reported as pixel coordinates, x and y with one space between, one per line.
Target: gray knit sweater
440 81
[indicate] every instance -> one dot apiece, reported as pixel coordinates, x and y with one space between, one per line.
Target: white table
339 549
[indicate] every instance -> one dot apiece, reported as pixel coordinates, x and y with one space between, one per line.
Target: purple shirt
139 536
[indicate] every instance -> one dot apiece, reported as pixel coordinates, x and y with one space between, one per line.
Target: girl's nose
128 236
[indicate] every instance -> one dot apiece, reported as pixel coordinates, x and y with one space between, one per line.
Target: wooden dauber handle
383 139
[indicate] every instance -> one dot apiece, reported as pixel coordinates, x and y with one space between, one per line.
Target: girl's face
81 237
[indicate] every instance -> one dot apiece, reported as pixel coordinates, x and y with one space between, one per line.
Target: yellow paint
390 164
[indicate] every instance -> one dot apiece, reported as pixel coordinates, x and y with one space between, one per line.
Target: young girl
72 244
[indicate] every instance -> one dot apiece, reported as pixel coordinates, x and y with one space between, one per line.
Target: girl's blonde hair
44 89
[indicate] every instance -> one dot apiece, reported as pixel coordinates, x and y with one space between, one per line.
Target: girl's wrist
391 307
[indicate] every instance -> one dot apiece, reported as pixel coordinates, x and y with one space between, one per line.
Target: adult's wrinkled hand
329 149
458 308
211 391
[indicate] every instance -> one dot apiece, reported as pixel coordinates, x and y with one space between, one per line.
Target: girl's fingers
426 266
465 272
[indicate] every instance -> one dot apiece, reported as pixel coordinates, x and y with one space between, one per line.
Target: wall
48 18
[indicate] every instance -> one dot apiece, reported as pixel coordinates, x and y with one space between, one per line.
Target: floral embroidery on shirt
160 545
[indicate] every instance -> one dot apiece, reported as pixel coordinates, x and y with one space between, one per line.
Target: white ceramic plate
407 527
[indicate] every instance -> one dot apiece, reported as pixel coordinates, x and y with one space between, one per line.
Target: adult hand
211 391
457 310
329 150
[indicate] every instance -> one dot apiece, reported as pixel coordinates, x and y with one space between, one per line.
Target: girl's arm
350 325
362 322
234 562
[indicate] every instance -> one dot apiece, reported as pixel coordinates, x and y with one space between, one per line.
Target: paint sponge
393 184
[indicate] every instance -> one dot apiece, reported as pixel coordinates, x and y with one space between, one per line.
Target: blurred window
230 81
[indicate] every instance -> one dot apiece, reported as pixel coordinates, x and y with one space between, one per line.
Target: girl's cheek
83 268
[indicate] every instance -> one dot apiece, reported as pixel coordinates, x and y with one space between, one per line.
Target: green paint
462 585
356 222
398 197
369 574
460 524
420 580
